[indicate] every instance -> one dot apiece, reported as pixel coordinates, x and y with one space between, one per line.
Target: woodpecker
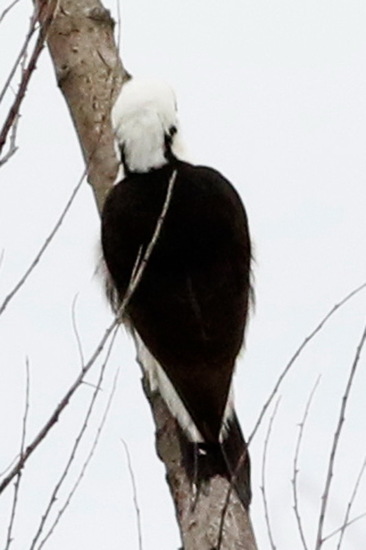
190 309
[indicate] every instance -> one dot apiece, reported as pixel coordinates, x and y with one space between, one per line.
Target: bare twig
43 248
7 9
74 450
277 386
139 267
346 521
84 467
343 527
134 491
7 469
45 13
22 446
296 467
22 53
336 440
264 484
13 148
58 410
119 25
77 335
298 352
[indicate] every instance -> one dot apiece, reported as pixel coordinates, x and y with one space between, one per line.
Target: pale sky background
273 94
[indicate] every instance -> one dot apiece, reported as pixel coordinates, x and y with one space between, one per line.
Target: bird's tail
228 458
237 461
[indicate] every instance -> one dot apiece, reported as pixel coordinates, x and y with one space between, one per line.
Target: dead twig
84 466
13 148
44 13
264 483
298 352
346 521
140 266
76 332
336 440
58 410
134 491
7 9
74 450
20 472
119 25
22 53
43 248
295 492
278 384
343 527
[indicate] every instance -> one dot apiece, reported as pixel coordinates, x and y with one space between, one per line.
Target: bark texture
90 74
201 518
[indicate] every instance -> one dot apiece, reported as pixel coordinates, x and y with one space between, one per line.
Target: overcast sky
272 94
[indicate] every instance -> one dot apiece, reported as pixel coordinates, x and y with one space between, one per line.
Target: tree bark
90 74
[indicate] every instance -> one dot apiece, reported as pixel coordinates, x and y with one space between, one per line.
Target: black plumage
191 307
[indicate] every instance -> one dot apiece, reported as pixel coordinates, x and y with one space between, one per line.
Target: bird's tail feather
228 458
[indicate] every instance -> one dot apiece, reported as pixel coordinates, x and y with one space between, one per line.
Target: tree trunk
90 74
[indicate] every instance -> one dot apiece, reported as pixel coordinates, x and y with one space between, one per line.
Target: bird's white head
145 124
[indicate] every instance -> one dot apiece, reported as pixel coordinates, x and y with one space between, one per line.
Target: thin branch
84 467
20 472
295 492
74 449
119 25
22 53
336 440
9 466
45 13
43 248
134 491
6 10
58 410
350 504
344 526
13 148
264 484
76 332
277 386
298 352
139 267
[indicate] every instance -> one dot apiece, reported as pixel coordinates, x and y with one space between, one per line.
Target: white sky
272 93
